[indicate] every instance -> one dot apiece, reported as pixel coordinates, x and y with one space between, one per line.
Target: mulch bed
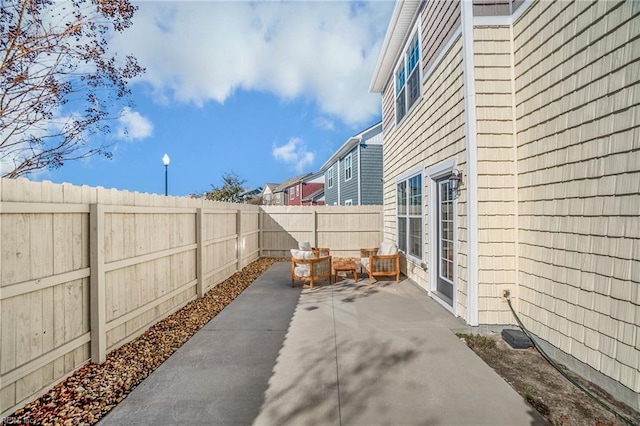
94 389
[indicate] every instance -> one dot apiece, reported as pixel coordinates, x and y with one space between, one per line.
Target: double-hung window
409 216
347 167
407 78
330 177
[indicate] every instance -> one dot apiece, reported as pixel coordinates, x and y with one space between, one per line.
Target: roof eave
346 147
399 27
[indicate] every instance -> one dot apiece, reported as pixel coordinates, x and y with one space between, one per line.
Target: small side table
345 265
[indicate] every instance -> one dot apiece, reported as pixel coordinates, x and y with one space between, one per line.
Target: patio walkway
344 354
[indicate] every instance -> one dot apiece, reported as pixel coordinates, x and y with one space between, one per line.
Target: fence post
199 253
239 250
260 234
97 284
315 227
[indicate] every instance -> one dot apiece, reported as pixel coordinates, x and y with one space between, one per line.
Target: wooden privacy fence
344 229
85 270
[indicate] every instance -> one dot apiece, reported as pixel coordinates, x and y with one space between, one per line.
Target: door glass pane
445 235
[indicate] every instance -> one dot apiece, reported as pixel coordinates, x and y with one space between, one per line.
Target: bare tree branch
59 84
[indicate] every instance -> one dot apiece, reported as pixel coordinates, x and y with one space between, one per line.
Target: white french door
445 241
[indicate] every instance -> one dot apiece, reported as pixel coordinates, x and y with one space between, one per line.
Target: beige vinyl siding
496 174
578 106
388 108
431 133
440 18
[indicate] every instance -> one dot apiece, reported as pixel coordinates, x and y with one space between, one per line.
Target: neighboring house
536 106
268 195
353 174
250 195
315 198
285 193
303 186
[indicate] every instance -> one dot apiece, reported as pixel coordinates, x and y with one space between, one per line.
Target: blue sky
266 90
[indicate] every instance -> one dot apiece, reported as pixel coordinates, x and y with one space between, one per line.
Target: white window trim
330 177
414 171
292 193
403 60
350 168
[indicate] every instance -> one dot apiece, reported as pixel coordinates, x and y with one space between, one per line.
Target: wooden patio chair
381 261
308 267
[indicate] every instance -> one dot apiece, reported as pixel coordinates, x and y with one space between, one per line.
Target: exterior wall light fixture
456 181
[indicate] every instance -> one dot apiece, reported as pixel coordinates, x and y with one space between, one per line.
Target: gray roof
291 181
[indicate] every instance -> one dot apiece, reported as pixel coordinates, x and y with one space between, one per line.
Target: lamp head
456 180
165 160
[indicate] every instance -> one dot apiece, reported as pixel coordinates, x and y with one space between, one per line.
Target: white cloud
294 153
324 123
132 125
323 52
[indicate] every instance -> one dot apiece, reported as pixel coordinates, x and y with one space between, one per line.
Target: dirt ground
555 397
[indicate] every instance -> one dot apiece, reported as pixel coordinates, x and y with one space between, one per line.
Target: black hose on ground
561 371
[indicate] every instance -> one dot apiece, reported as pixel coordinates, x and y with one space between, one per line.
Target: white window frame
292 193
406 177
348 169
330 177
401 90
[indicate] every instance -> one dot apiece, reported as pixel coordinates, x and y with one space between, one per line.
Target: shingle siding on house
497 194
440 20
349 188
557 103
371 174
578 107
431 133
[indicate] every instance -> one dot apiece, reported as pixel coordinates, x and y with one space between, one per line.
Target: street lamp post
165 161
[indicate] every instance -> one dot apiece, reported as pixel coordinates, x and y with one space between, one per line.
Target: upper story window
330 177
407 78
297 190
292 193
347 167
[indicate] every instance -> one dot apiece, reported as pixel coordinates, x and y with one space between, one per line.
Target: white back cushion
302 254
387 248
304 245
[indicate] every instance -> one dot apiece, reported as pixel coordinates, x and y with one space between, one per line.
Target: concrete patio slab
340 354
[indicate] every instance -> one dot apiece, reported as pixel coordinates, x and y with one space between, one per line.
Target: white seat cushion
365 262
302 270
